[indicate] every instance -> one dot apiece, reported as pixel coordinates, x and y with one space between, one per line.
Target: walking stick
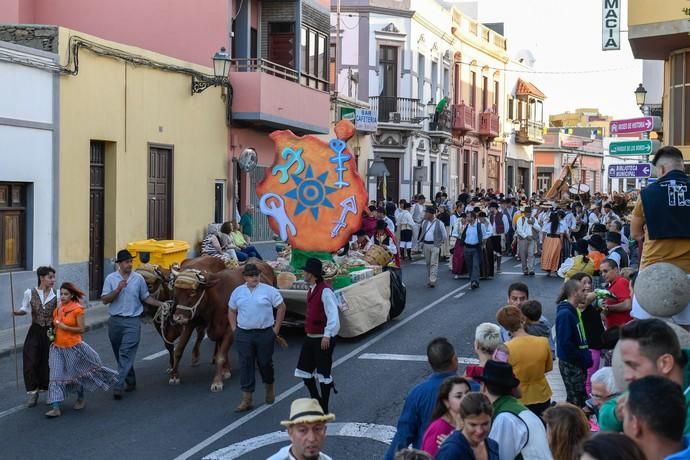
14 333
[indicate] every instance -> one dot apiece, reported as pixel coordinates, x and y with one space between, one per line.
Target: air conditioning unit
394 117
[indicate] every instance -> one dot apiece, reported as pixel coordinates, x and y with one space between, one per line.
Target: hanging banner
610 25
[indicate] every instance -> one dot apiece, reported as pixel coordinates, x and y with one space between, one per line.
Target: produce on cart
314 199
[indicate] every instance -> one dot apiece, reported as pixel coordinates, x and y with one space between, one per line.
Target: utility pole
337 48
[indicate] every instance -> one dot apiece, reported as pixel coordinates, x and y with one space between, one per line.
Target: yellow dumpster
163 253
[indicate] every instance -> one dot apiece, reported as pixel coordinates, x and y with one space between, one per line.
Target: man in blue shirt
654 417
420 402
124 291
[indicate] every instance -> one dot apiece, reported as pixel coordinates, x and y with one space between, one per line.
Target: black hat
123 255
361 233
250 270
476 209
598 228
597 242
314 266
380 224
498 373
581 247
430 210
493 204
381 209
668 151
482 214
613 237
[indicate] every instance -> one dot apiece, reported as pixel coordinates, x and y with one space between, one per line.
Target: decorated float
315 200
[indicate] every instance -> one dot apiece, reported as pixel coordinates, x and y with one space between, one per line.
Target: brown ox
202 299
159 281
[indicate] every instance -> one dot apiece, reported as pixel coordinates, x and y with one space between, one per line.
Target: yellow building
582 118
661 31
140 155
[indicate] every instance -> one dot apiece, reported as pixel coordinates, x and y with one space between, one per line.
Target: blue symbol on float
311 193
295 157
338 146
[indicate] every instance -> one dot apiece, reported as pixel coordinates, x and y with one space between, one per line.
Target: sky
565 36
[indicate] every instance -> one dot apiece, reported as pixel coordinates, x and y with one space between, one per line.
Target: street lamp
640 95
430 108
221 66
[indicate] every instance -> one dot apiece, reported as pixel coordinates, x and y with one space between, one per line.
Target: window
12 221
457 90
475 169
511 108
496 94
473 89
446 81
466 170
281 43
680 99
444 175
543 181
432 179
434 82
485 93
313 68
420 77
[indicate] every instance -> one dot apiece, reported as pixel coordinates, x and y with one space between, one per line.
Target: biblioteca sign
610 25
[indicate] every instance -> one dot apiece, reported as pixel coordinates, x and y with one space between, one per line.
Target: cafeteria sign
611 26
365 120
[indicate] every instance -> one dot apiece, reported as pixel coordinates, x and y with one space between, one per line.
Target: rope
162 315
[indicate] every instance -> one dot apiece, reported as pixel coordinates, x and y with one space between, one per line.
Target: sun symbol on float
310 193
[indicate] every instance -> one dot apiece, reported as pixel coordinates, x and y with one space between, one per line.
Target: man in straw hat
251 319
431 237
124 291
307 431
321 325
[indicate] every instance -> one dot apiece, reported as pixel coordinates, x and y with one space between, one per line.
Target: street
373 373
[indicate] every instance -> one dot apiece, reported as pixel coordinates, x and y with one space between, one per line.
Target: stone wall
39 37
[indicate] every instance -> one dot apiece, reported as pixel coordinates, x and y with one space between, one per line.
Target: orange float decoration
313 195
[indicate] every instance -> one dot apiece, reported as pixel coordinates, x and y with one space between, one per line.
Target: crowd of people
500 408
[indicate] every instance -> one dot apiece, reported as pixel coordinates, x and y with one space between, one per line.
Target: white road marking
520 273
457 296
11 411
400 357
155 355
290 391
381 433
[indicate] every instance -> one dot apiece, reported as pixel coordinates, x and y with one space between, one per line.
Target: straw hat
306 410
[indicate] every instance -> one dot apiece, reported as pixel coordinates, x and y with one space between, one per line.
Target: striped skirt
76 369
551 254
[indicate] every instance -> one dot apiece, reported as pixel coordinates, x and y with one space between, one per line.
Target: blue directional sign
629 170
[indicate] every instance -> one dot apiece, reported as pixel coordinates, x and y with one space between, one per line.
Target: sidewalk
96 314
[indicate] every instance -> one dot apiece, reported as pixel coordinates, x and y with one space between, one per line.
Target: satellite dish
579 189
248 159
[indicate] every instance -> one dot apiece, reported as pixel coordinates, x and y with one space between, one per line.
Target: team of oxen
196 295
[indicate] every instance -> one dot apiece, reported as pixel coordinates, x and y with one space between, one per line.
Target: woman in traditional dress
40 302
385 238
551 251
486 265
458 260
74 365
405 225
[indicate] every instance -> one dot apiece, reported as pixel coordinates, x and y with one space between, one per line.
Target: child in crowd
537 324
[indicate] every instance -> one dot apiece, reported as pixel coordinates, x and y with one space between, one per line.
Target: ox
202 299
159 281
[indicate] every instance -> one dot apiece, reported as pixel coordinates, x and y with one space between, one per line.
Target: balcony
270 95
530 133
464 119
488 125
392 109
444 122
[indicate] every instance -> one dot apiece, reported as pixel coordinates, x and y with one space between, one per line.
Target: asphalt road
160 421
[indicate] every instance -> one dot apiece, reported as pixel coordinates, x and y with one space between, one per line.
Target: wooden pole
14 333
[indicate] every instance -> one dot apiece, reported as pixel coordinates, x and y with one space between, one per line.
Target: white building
404 56
28 164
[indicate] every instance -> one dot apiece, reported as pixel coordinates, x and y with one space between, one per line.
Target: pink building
279 73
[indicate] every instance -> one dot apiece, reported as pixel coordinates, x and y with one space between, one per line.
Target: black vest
624 257
666 206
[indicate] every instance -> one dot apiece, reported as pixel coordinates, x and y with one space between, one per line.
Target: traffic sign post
629 170
633 147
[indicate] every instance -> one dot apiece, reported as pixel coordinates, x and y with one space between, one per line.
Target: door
392 181
96 218
281 43
388 61
160 193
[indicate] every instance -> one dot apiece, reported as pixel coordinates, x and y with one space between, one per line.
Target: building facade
29 165
660 31
405 57
139 153
583 118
